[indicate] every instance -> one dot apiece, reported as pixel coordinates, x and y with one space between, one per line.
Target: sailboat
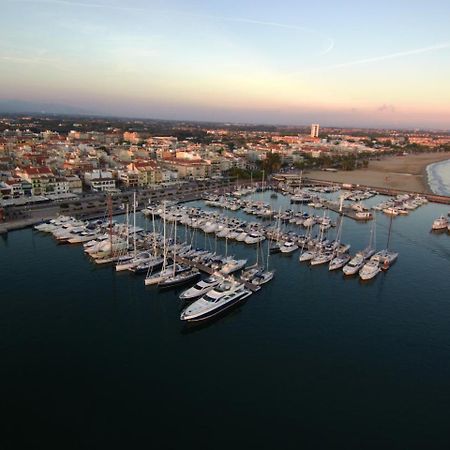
258 274
177 274
385 258
358 261
340 259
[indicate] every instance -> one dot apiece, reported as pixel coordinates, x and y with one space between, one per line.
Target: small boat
233 265
201 288
288 247
275 247
148 266
369 270
339 261
385 258
164 274
440 224
354 265
307 255
262 277
180 278
254 238
321 258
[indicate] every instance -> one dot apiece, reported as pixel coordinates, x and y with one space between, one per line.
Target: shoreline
408 173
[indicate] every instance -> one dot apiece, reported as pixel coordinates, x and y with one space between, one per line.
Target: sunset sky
384 63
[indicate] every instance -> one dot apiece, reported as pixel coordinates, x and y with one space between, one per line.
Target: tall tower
315 130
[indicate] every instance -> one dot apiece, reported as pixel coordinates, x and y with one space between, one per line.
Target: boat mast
110 213
134 222
128 227
164 237
154 233
389 233
175 248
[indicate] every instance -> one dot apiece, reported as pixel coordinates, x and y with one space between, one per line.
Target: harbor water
93 359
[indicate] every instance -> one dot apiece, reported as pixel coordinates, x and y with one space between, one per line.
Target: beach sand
397 172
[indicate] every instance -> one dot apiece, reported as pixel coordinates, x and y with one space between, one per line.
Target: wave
439 177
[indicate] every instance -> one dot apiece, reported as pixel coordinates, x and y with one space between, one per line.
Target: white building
100 180
315 130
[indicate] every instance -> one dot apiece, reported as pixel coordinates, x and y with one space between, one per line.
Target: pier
210 271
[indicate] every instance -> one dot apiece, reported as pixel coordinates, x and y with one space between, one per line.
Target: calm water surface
93 359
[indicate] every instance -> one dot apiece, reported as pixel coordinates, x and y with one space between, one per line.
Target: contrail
329 40
416 51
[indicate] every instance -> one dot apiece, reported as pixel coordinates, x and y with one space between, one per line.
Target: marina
310 317
173 244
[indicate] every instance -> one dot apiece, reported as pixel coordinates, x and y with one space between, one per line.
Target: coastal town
54 159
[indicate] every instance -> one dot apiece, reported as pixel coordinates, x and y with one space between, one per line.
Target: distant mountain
21 106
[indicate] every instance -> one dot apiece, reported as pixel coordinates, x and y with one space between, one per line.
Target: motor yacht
217 300
201 288
369 270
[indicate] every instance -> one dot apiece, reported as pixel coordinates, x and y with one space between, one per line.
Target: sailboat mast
154 233
134 223
389 233
164 238
175 248
128 227
110 213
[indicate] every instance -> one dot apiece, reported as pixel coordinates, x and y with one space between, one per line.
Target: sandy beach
397 172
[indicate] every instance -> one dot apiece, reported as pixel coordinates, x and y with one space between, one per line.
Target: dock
210 271
346 211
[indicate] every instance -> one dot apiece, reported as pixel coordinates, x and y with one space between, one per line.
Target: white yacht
385 258
288 247
254 238
162 275
262 277
233 265
339 261
369 270
217 300
201 288
322 258
307 255
181 278
241 236
354 265
128 261
440 224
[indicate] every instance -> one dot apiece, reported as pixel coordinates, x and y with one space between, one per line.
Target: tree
272 163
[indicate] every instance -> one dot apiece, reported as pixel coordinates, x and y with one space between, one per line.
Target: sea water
91 358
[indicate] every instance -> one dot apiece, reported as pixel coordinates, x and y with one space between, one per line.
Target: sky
346 63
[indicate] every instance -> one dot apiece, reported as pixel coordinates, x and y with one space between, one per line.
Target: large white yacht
222 297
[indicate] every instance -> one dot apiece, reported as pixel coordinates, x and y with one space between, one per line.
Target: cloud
386 108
